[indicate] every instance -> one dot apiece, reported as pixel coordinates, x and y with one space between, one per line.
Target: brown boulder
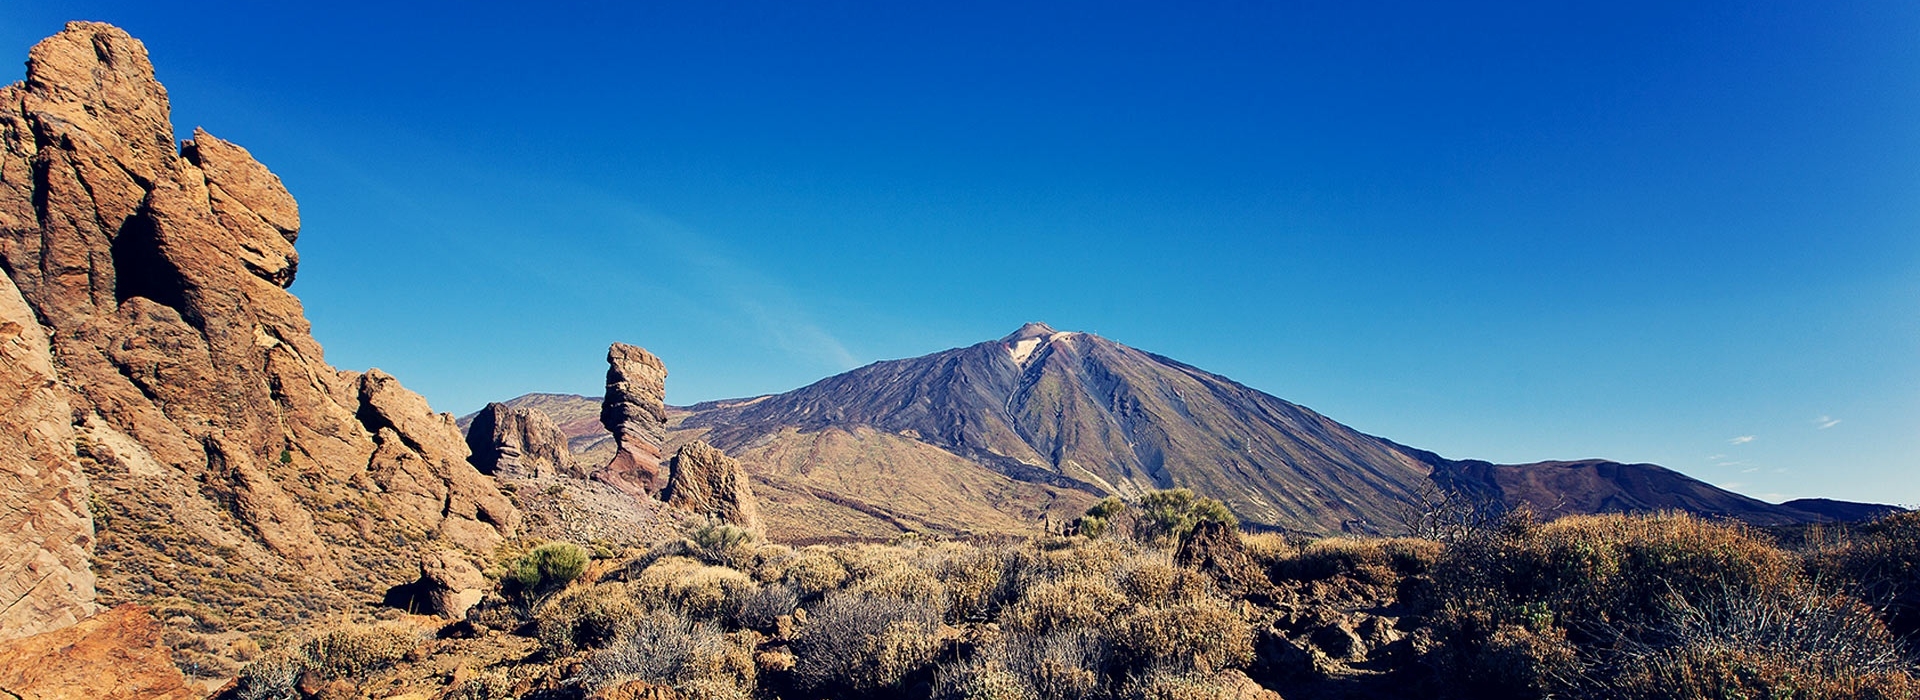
116 655
705 481
449 586
1215 549
635 411
518 443
215 432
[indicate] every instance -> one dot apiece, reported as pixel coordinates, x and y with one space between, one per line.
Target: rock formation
635 411
227 462
448 586
705 481
45 580
1214 549
116 655
518 443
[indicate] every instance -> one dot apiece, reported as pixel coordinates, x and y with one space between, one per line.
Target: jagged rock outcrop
1215 549
518 443
45 580
635 411
227 462
705 481
116 655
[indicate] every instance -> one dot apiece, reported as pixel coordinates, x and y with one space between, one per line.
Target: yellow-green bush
550 566
1160 582
813 572
352 650
1080 602
1200 634
695 589
585 617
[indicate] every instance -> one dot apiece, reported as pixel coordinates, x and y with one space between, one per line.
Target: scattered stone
448 586
705 481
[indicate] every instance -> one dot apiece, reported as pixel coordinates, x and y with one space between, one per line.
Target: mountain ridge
1073 410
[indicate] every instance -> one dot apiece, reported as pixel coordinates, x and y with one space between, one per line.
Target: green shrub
1167 516
694 589
812 573
550 566
724 544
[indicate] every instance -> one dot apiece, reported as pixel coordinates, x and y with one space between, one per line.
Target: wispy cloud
1825 422
1742 440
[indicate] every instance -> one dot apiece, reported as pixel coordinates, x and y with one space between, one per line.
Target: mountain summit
1079 412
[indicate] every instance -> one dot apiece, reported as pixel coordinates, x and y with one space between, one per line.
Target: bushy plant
585 617
1104 518
549 566
695 589
1880 563
812 573
864 645
1200 634
1080 602
1166 516
762 609
723 544
696 658
352 650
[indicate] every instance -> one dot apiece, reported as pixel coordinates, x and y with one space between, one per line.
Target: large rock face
705 481
228 463
44 576
117 655
635 411
518 443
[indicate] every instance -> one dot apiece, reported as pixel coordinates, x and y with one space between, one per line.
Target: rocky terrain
193 502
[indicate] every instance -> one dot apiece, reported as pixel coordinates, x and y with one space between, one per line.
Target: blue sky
1682 233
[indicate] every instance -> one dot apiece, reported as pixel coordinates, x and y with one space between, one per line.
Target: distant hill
1041 421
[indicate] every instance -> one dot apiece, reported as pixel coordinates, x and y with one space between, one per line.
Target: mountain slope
1081 411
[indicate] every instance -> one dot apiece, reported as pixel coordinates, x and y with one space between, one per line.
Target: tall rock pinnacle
209 426
635 411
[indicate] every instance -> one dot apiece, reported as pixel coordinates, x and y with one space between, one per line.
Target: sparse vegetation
1617 606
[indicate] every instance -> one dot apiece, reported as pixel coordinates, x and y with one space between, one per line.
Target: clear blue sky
1682 233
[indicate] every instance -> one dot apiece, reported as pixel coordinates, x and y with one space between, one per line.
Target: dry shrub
351 650
1528 610
1069 664
813 572
1159 582
1880 562
770 562
975 578
695 658
865 560
1375 561
1055 559
1268 548
723 544
762 609
585 617
347 651
1177 684
1696 672
1081 602
863 645
1200 634
694 589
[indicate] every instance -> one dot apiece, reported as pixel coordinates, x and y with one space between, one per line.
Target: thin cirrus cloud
1742 440
1825 422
